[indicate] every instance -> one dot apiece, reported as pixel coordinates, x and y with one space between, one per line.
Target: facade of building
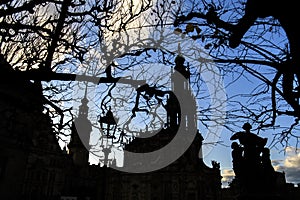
188 178
33 166
31 161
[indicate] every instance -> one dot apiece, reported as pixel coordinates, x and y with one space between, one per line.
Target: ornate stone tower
183 113
80 136
187 178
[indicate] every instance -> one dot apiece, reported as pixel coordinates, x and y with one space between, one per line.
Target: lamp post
108 124
106 151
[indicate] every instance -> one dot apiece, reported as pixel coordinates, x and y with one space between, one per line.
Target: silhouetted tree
55 42
49 41
256 40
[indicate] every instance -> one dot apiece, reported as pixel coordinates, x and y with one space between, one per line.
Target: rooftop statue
247 139
251 163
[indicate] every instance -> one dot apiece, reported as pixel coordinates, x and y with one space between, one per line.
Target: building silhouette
33 166
186 178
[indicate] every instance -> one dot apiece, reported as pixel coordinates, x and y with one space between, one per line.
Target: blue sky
288 162
284 159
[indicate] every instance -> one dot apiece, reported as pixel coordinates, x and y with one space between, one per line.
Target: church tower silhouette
80 136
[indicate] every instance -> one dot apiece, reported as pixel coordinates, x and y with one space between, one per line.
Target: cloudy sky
289 164
287 161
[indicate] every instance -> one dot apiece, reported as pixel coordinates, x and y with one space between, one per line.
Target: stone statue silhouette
266 161
237 159
268 170
251 142
286 12
251 163
252 145
246 156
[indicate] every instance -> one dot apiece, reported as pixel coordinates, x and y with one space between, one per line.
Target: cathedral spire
83 108
80 136
179 114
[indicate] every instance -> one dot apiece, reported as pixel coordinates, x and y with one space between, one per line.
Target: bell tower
80 136
183 113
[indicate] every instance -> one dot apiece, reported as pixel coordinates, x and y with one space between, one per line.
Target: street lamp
106 151
108 124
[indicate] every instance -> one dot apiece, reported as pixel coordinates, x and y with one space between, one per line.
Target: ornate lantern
108 124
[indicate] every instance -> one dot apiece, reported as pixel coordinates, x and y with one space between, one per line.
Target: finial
85 92
84 100
179 49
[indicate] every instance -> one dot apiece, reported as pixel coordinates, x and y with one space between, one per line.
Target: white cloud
227 176
139 28
290 165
